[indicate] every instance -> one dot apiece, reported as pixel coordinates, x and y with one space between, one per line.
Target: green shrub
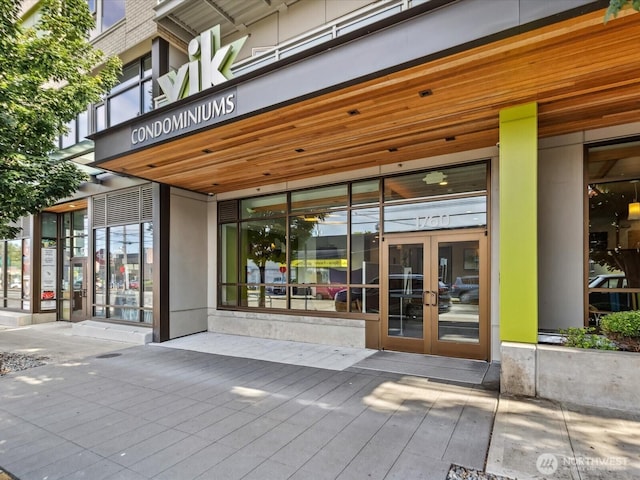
623 328
625 324
586 338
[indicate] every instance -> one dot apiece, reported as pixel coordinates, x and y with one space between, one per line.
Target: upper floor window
131 97
106 13
78 129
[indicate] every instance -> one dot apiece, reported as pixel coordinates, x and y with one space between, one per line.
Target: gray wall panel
560 237
188 263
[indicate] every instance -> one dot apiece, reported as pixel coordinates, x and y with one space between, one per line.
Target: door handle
425 295
434 298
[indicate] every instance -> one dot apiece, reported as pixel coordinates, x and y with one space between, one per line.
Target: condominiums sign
202 113
209 65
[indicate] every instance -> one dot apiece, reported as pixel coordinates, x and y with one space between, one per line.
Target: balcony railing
358 19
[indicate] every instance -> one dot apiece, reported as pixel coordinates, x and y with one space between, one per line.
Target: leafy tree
266 240
615 6
48 75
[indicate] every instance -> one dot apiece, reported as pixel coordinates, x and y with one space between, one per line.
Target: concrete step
135 334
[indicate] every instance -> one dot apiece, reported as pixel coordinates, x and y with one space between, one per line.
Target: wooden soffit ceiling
582 73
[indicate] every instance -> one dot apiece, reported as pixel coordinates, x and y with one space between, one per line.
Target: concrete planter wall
587 377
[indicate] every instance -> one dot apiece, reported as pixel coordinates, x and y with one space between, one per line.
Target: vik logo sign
209 64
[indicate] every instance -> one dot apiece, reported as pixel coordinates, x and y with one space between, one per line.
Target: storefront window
365 245
147 272
124 260
614 229
365 193
294 252
229 265
263 250
48 261
13 273
319 256
319 199
319 249
439 183
123 272
100 272
447 198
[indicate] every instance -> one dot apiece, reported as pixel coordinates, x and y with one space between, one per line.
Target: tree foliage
615 6
267 241
48 75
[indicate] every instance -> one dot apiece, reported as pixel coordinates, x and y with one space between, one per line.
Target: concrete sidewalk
106 410
539 439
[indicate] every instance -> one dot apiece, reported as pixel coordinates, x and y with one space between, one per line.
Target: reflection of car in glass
604 302
15 285
466 289
277 289
327 291
408 290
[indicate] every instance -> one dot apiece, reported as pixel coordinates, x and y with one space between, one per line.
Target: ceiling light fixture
299 150
634 207
354 112
432 178
206 150
425 93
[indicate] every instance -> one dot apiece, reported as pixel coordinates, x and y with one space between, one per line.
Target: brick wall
131 37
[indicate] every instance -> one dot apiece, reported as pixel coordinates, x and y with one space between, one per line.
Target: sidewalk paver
541 439
234 418
106 410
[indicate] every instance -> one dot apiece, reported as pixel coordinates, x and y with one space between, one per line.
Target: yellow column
519 223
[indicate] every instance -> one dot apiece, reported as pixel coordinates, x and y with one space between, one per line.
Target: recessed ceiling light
393 149
266 174
299 150
425 93
152 165
355 111
449 139
206 150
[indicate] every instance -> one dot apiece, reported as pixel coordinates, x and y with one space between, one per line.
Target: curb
4 475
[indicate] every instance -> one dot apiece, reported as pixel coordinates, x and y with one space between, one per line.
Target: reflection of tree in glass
610 208
267 240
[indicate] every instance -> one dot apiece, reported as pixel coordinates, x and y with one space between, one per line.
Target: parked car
277 289
409 297
466 289
609 280
603 302
327 291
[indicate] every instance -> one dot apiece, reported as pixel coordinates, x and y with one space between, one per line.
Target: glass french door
78 287
434 293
